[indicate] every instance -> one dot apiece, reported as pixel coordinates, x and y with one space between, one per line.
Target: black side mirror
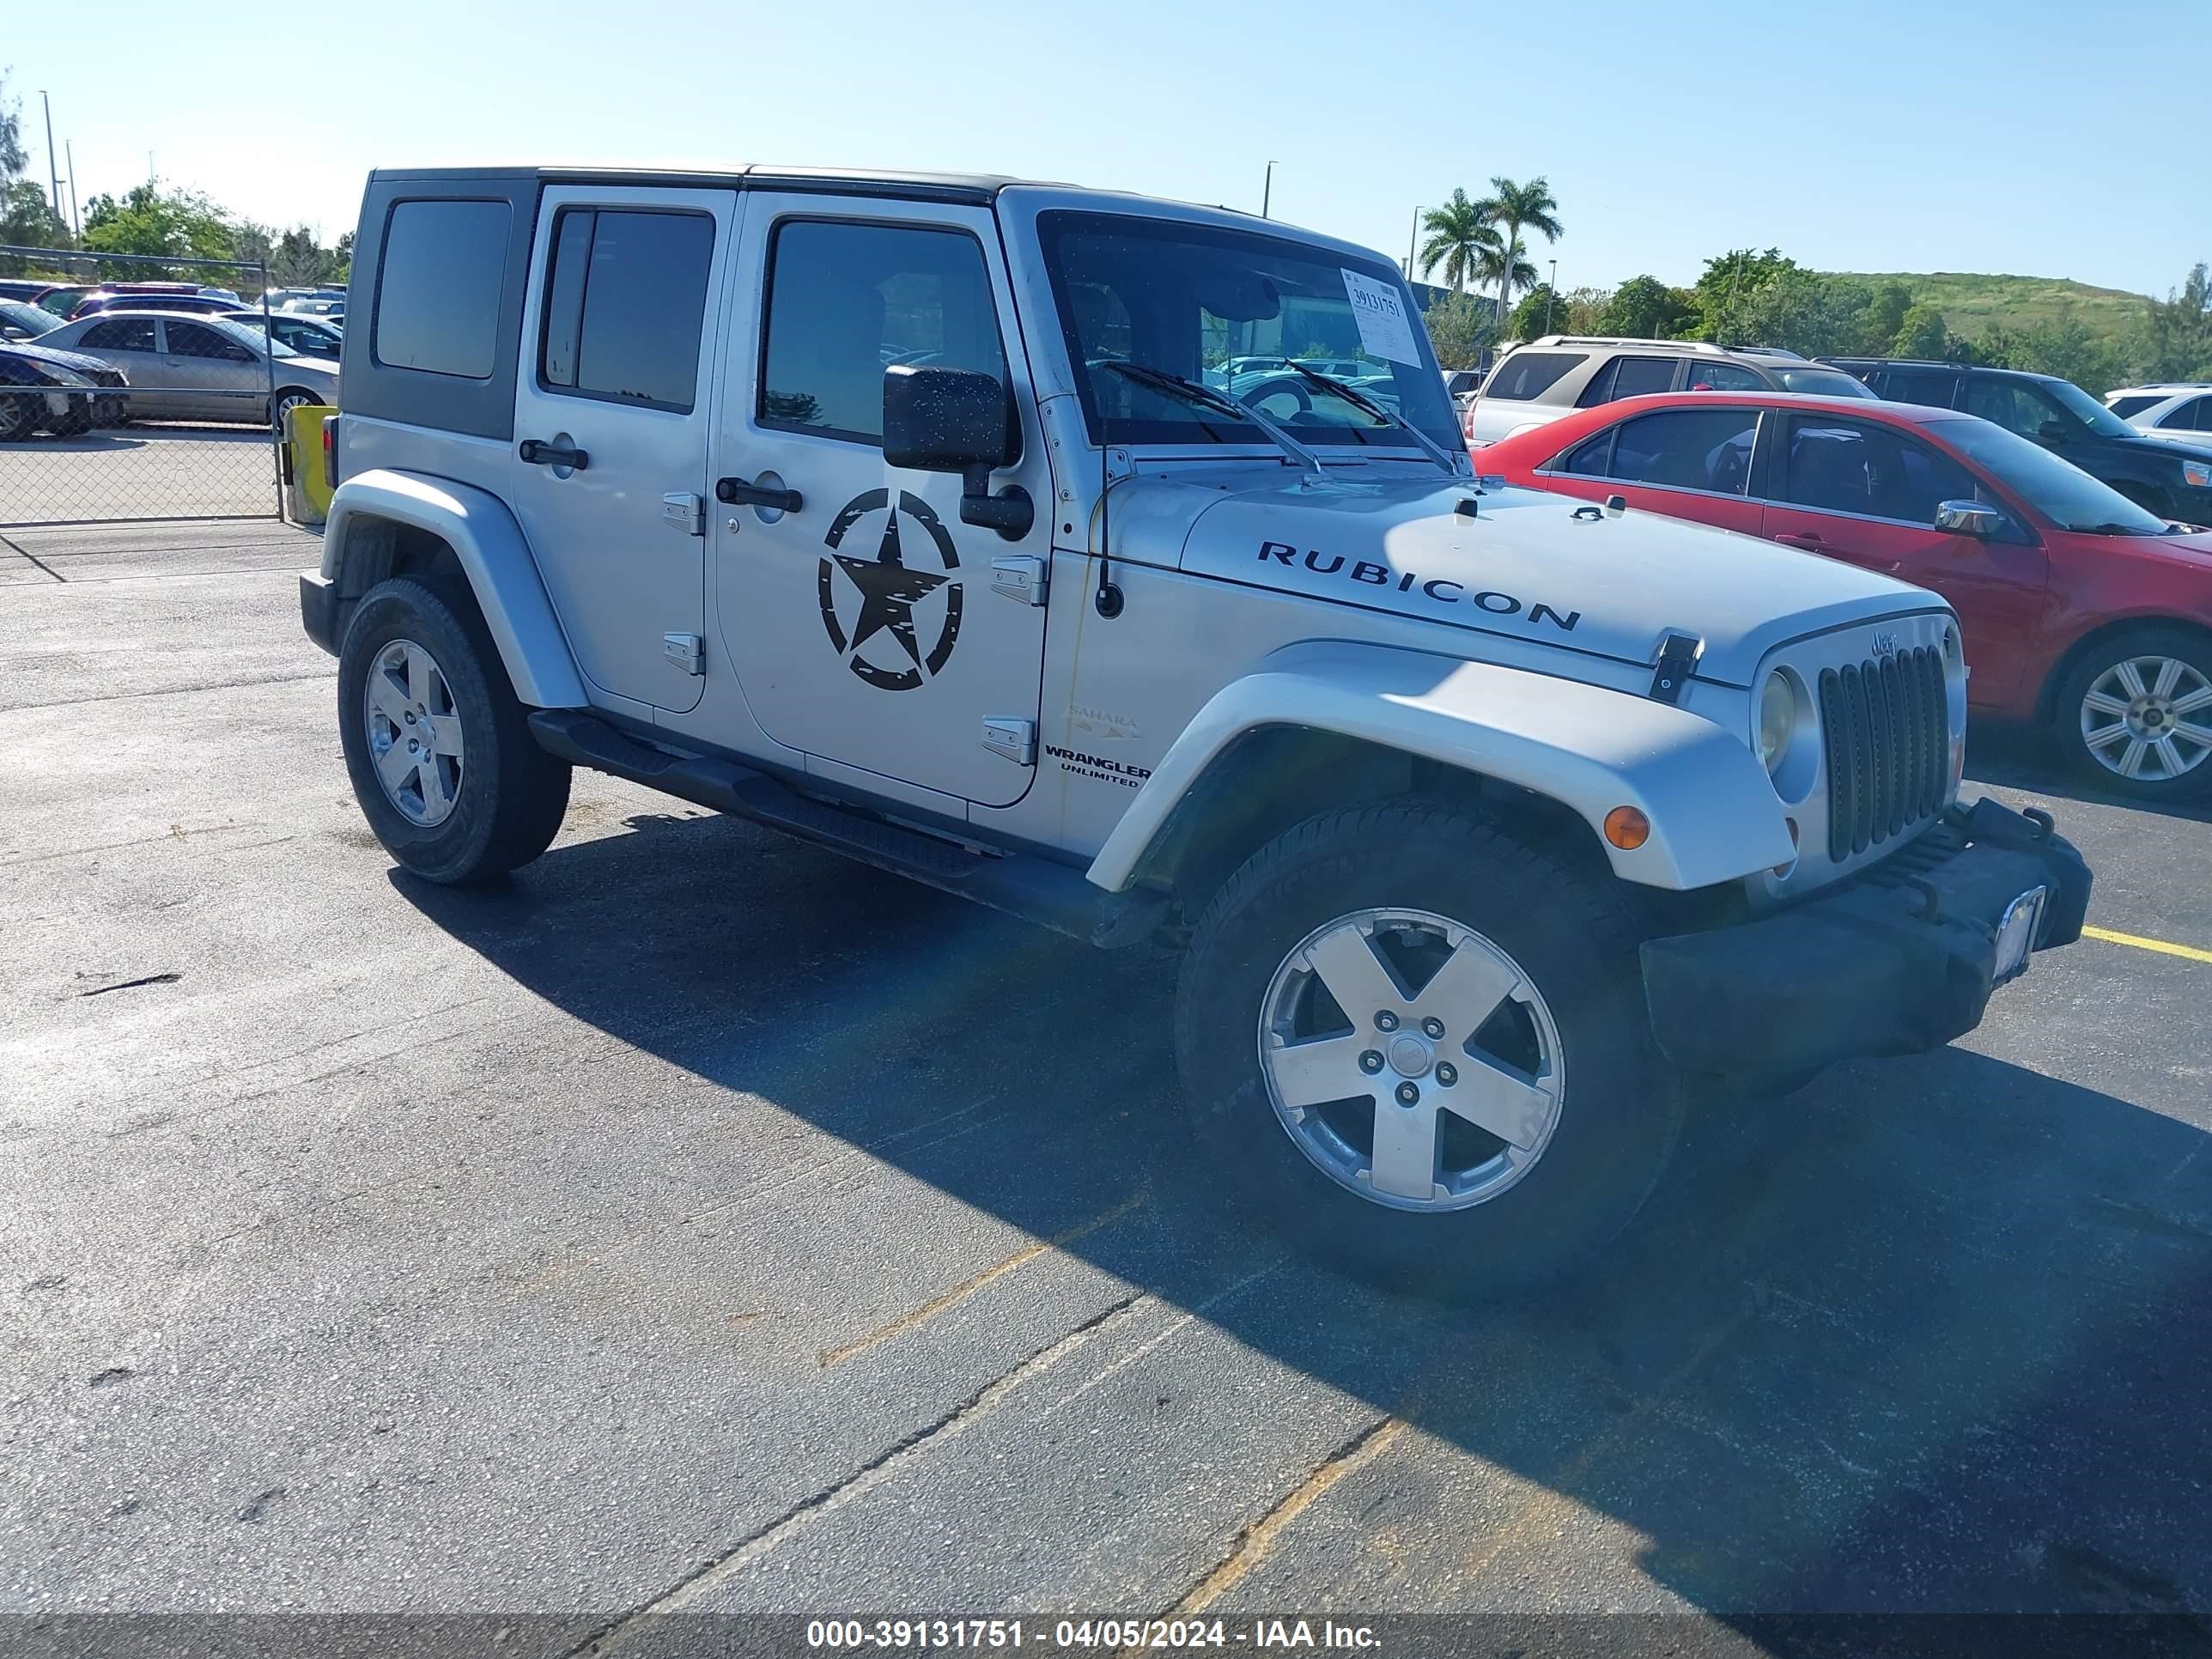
958 420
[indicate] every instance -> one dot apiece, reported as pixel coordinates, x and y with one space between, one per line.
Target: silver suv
1546 378
892 512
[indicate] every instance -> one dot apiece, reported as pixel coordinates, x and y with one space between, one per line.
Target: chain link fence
135 387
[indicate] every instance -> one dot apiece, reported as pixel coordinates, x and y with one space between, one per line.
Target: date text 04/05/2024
1116 1635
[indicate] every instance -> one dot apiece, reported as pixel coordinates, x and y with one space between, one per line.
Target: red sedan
2079 610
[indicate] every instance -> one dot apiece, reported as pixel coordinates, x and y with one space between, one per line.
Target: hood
1523 566
74 360
301 363
2176 445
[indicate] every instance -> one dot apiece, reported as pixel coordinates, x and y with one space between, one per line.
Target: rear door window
1869 471
120 334
2195 415
1703 449
1722 377
1933 387
1629 377
1527 375
626 302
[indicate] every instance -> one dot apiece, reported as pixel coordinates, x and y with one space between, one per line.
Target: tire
2167 709
1582 1032
492 799
20 416
289 398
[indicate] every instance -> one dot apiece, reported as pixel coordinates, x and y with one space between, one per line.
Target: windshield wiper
1205 397
1442 457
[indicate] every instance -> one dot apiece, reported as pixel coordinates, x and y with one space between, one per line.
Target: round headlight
1778 719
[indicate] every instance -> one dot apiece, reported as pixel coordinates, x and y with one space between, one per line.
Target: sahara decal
1439 589
1097 768
890 592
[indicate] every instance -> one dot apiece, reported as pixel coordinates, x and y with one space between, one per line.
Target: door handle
538 452
737 492
1804 539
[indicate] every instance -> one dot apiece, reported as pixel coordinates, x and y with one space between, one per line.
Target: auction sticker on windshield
1383 327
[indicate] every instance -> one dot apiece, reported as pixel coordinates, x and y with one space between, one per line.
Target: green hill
1973 303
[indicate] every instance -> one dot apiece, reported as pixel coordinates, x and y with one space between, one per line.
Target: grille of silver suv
1889 743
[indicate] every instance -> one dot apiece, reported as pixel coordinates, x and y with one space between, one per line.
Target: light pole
53 161
1267 191
1410 237
1550 293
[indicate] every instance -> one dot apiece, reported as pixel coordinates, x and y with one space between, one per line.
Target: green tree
2178 334
1458 239
1920 332
1460 326
28 220
1884 315
1645 308
1727 284
1581 309
13 161
1538 315
180 223
1517 208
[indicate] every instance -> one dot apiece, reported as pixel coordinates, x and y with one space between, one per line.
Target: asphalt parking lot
139 471
701 1223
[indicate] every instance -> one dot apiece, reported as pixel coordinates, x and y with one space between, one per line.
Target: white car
2180 410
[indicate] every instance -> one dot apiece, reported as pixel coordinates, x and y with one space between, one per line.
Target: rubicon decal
890 593
1438 589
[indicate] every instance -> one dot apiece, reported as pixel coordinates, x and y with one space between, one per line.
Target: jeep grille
1889 746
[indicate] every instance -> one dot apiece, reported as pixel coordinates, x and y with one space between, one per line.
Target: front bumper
1896 961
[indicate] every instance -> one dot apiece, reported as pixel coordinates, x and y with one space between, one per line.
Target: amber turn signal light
1627 828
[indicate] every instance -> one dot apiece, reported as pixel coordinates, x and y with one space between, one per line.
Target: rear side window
2195 415
120 334
1707 449
1635 376
2128 408
847 301
625 303
1527 375
437 297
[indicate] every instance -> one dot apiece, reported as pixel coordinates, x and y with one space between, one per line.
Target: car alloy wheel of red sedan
2081 612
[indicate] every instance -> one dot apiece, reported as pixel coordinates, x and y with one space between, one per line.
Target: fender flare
495 556
1714 816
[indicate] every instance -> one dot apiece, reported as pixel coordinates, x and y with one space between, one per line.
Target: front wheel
2136 715
1421 1048
436 742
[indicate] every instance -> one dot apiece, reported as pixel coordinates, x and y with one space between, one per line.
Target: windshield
1821 382
2087 410
14 313
2059 489
1230 310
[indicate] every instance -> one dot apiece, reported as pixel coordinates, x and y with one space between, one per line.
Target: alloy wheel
2148 718
414 732
1411 1059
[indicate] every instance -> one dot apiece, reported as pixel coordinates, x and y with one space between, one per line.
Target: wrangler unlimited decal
1376 575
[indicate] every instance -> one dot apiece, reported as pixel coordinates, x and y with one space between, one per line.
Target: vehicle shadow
2015 759
1928 1335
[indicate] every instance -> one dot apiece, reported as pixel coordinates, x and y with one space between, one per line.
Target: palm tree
1517 207
1459 239
1508 273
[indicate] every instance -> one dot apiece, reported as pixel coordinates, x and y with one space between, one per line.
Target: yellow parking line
2190 951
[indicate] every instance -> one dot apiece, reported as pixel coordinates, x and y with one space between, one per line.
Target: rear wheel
436 742
1421 1049
2135 714
290 399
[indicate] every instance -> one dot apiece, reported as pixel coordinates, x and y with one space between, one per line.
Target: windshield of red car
2059 489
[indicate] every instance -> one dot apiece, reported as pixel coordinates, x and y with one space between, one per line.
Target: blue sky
1946 135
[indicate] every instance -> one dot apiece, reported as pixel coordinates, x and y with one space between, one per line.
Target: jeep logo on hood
1441 589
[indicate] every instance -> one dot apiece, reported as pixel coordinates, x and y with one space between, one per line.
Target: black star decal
888 592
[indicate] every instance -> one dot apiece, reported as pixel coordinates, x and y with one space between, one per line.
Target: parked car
2080 611
26 289
310 336
2169 478
1549 377
63 298
2181 410
199 369
67 400
21 321
1461 383
203 305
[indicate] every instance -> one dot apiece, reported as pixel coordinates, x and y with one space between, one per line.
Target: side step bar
1053 895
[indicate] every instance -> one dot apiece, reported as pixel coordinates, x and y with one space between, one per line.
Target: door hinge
1015 739
687 513
1020 577
685 651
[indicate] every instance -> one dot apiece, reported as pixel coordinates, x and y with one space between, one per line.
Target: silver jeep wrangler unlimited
1016 538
